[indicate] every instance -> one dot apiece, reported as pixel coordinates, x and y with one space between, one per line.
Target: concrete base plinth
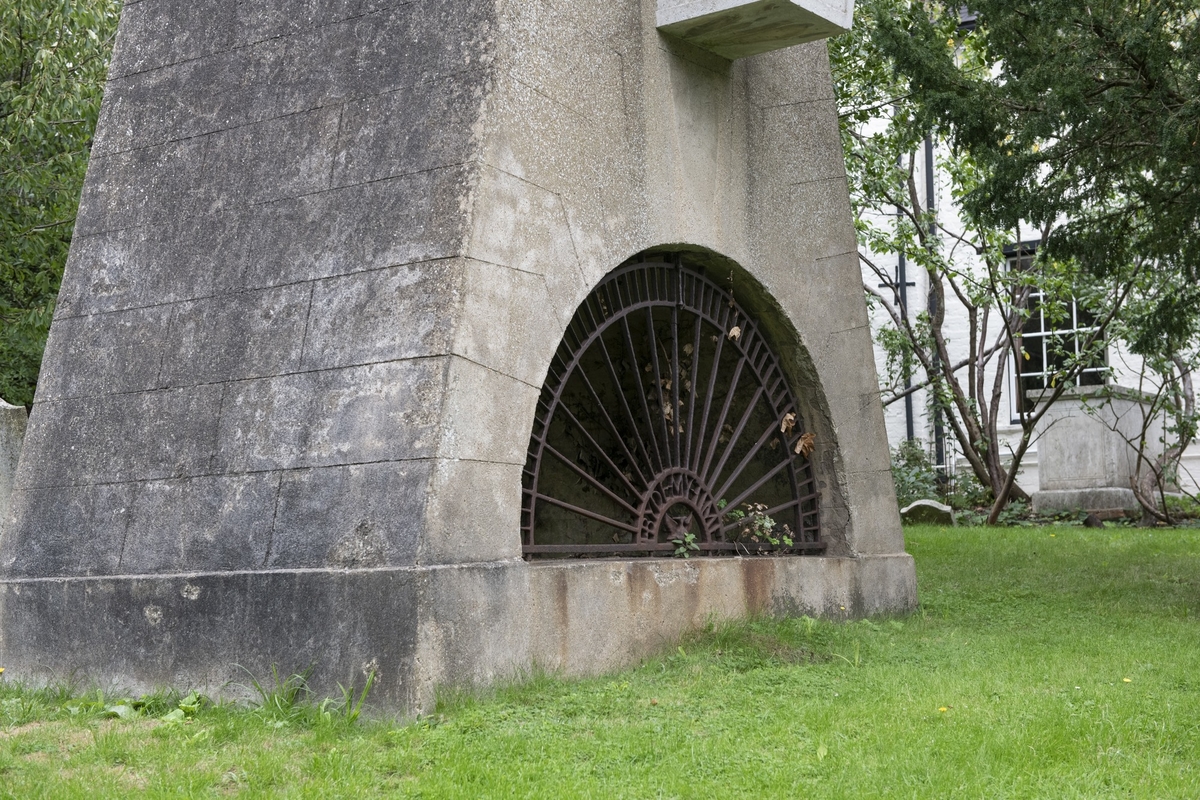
1100 499
417 628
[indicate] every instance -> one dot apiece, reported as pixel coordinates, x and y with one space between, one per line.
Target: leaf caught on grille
804 445
787 423
735 333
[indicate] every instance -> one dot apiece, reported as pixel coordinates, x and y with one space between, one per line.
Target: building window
1054 337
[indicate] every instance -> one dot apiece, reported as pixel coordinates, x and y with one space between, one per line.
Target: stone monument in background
1087 451
12 434
395 336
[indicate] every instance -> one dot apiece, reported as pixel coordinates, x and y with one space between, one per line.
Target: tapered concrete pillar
324 258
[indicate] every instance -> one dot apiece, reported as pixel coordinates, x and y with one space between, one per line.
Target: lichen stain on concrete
666 575
758 579
190 592
365 547
563 612
153 615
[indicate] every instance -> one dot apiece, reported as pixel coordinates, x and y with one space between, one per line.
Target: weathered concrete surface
415 627
740 28
1085 460
927 512
323 260
12 434
1108 502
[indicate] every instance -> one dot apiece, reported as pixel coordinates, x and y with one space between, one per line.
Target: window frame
1041 332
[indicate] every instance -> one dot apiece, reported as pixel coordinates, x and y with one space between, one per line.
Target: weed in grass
283 699
111 745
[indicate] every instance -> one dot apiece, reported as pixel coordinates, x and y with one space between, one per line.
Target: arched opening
666 424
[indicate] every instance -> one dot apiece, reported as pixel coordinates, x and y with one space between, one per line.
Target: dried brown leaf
787 423
804 445
735 332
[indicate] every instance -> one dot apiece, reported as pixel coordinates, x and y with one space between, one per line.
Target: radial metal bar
581 472
708 396
733 437
717 429
612 374
691 416
583 512
737 501
636 368
652 337
612 429
767 434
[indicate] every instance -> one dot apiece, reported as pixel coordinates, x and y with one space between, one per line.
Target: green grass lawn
1044 663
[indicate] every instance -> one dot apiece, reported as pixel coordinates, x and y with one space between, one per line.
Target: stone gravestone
12 434
927 512
1087 459
395 336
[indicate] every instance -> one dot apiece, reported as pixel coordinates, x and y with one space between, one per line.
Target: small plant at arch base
755 526
685 545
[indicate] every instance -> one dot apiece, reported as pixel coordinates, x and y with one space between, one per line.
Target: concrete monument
1086 454
395 335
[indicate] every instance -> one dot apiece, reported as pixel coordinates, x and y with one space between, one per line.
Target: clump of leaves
755 526
286 700
685 545
913 473
282 699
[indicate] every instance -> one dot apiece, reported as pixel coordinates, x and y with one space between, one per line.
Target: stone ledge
418 628
1100 499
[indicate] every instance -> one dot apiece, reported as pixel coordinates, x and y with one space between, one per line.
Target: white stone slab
740 28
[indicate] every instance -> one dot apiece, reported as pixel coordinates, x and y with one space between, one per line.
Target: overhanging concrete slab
736 28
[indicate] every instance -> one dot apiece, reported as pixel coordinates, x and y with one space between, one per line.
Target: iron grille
665 417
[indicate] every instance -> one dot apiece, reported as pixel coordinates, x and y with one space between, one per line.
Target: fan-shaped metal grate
665 414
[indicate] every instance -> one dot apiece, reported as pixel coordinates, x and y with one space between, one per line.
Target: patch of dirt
21 730
783 652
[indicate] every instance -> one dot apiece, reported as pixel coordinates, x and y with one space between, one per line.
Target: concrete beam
737 28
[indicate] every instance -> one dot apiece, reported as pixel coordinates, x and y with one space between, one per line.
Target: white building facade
1075 450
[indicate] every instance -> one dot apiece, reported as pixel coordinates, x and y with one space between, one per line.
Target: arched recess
666 419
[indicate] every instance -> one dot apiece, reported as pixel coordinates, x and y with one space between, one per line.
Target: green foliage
1072 124
286 700
1183 508
282 699
917 478
53 61
1088 115
755 527
913 473
685 545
